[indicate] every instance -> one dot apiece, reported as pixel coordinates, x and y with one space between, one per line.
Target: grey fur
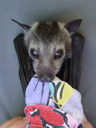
46 38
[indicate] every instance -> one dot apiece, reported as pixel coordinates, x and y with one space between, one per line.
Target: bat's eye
58 54
34 54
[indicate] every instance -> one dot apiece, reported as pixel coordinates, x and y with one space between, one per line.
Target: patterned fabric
57 94
61 91
48 117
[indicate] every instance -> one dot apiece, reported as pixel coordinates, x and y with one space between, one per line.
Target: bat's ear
73 25
24 26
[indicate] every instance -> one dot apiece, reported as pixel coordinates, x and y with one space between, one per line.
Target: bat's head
48 44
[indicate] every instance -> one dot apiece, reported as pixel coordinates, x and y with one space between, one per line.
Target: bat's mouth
46 78
46 73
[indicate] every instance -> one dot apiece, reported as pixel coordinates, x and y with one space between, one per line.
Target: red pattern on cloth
43 116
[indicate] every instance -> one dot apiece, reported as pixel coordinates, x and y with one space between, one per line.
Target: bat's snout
46 74
46 78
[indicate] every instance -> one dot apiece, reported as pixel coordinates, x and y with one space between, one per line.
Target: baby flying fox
48 44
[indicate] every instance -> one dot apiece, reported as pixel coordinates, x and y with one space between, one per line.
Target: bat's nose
46 79
46 73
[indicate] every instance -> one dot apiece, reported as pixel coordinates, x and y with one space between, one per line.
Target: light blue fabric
51 89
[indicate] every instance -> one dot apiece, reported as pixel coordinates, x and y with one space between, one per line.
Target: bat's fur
47 38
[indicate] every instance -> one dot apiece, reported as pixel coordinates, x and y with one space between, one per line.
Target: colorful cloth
42 116
57 94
